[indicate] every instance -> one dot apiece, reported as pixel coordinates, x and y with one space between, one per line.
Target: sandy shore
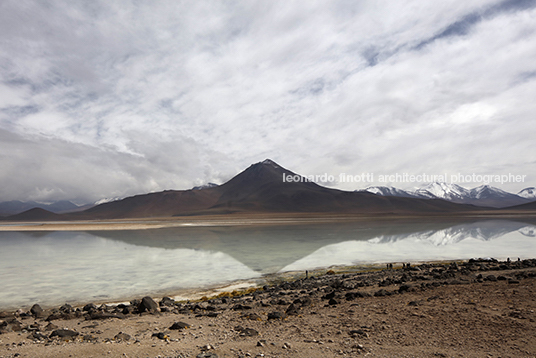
471 309
251 219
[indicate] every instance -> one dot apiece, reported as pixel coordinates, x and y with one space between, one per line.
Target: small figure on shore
403 266
306 274
508 260
391 266
408 265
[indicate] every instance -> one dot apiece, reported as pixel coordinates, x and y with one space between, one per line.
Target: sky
115 98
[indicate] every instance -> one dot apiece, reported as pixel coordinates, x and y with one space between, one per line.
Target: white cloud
197 91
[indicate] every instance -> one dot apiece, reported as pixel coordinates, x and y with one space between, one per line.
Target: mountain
484 195
15 207
262 187
450 192
528 193
391 191
206 186
35 214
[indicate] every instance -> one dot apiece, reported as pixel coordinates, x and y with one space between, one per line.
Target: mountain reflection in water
52 268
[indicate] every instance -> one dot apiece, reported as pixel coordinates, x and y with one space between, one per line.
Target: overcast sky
115 98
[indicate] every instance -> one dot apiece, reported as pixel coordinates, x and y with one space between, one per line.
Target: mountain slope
262 188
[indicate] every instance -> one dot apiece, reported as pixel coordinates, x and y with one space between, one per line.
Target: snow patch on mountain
528 193
389 191
205 186
442 191
107 200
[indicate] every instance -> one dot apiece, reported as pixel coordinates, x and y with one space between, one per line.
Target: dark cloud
463 26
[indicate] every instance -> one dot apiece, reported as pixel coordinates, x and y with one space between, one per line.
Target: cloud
171 94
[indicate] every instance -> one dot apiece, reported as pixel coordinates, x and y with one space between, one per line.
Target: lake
51 268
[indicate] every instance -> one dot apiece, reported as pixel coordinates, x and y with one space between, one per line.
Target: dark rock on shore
122 337
37 311
147 304
64 333
179 326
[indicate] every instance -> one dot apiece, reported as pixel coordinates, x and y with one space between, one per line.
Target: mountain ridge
483 195
264 187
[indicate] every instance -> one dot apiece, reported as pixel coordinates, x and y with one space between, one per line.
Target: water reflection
56 267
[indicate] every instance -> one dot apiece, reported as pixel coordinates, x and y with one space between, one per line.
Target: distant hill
528 206
261 188
35 214
15 207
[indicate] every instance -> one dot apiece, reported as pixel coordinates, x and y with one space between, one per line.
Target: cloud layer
113 99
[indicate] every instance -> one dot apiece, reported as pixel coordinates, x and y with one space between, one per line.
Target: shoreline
476 308
238 287
252 219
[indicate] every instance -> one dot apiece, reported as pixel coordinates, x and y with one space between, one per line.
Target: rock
36 310
490 278
37 336
329 295
333 302
147 304
239 307
276 315
358 332
89 338
64 333
306 301
50 327
179 326
89 307
381 293
167 301
249 332
66 308
11 325
252 317
105 315
291 310
160 335
207 355
512 281
122 337
405 288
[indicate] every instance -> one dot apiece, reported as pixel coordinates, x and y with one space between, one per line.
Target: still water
51 268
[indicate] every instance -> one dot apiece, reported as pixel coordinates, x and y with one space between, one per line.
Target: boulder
147 304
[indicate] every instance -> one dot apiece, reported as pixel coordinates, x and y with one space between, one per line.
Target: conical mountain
261 188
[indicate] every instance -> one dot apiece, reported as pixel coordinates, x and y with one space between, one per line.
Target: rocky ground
480 308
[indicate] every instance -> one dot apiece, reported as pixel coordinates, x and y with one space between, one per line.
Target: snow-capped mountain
483 195
451 192
528 193
390 191
205 186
